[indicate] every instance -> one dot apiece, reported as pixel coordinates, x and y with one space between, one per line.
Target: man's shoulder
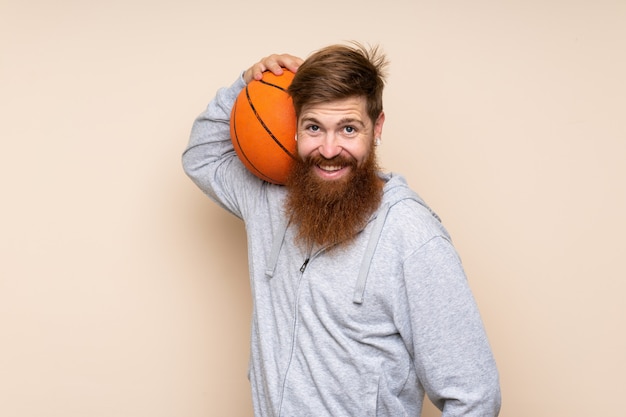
408 214
397 192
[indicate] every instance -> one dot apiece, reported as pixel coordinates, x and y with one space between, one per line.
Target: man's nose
330 146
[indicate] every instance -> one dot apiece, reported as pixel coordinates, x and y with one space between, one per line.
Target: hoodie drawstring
279 238
377 230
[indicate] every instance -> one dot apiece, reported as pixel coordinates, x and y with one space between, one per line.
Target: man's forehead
336 112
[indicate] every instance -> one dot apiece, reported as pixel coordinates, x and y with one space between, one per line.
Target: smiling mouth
330 168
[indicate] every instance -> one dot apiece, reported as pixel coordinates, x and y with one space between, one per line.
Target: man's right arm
209 159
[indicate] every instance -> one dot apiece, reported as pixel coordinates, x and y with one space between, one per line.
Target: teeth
331 168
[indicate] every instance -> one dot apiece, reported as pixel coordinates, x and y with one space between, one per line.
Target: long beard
331 213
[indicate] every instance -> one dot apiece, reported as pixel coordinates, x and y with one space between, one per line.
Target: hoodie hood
395 190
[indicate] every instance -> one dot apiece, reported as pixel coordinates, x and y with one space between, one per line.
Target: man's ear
378 125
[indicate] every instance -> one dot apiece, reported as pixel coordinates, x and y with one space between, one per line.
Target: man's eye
313 128
349 129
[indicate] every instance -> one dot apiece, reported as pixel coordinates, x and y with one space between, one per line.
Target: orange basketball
263 127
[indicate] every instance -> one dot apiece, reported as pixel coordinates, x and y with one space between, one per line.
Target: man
361 305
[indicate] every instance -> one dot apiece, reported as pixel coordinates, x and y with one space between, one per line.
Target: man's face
337 136
334 187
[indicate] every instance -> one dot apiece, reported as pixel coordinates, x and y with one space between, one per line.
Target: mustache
335 160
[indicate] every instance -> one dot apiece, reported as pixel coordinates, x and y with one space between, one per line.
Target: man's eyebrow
310 119
351 120
341 122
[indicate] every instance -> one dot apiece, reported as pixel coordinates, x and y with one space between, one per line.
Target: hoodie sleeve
210 159
452 355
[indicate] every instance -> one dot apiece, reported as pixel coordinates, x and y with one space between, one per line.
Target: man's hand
274 63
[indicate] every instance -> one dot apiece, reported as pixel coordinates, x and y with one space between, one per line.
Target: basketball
263 127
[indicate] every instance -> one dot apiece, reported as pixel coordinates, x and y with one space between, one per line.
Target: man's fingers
274 63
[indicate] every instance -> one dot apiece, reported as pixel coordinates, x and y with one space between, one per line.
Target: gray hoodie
364 330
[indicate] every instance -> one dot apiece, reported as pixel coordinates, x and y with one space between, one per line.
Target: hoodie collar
395 190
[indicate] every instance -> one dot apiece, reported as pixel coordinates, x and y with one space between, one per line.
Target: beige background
123 290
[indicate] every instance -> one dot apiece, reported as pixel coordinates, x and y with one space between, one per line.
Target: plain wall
123 290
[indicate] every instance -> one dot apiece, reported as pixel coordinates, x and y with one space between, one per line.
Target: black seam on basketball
267 129
243 154
273 85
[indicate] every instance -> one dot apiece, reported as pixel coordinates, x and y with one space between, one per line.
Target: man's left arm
453 358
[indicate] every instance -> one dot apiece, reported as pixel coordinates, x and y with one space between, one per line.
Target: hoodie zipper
303 267
310 256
